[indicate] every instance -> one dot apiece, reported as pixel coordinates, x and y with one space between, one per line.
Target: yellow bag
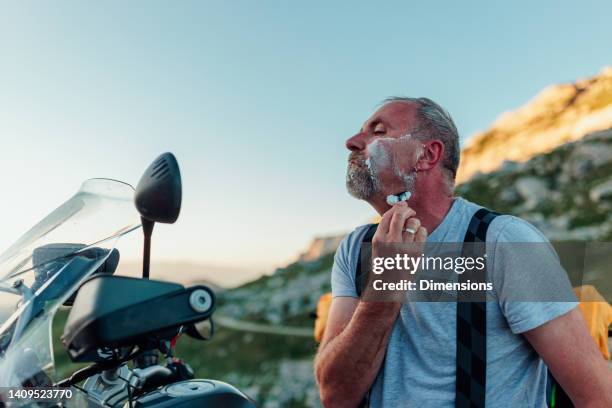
598 315
322 312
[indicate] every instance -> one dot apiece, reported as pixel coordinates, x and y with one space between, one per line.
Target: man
403 353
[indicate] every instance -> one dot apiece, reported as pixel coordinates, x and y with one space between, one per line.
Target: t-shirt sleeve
342 276
532 287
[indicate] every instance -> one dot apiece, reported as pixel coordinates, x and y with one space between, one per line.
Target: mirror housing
159 192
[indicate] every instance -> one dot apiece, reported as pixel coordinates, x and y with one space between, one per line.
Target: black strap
361 276
470 389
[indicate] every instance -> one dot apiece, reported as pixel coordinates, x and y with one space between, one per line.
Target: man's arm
353 349
572 356
357 332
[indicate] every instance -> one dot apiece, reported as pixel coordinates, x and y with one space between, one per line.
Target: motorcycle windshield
45 267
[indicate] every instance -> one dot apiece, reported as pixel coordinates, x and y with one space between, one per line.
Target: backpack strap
361 276
470 388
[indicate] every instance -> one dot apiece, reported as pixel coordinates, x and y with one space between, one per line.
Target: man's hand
398 225
399 233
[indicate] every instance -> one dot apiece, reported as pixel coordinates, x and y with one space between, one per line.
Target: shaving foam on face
394 199
378 156
386 153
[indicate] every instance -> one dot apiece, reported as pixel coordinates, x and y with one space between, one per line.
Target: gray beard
360 182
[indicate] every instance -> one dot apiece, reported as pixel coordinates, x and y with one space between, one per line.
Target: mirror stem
147 229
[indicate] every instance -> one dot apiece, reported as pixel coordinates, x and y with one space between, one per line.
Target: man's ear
432 152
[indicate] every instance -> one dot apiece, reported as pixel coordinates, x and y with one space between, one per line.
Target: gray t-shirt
420 365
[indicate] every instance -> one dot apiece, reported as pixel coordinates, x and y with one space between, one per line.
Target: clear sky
256 100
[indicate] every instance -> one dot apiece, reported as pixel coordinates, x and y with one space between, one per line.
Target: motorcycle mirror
203 330
158 199
158 193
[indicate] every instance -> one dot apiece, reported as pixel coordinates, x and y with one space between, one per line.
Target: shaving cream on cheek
384 155
378 154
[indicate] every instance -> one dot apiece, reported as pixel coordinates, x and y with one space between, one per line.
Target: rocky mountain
559 114
566 193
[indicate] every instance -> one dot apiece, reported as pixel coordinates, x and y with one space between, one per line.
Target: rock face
566 193
559 114
601 192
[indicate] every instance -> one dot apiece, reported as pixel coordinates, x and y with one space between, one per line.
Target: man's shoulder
354 237
345 260
348 248
510 228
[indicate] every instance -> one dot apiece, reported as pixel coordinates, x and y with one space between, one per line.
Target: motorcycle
125 328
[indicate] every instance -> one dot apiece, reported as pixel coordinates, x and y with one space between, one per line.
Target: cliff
559 114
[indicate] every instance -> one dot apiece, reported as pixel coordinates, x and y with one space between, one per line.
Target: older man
403 354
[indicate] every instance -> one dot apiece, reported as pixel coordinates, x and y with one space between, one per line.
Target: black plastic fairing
115 311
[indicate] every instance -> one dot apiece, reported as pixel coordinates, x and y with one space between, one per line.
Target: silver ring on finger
410 230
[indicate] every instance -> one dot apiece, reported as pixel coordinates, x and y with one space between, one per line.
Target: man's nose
357 142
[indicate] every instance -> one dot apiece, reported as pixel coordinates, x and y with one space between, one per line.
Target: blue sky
256 100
